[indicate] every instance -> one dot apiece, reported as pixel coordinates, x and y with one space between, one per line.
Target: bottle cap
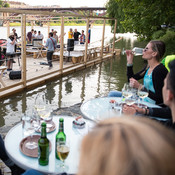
43 124
61 119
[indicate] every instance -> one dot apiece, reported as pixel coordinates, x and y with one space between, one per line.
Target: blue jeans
115 94
32 172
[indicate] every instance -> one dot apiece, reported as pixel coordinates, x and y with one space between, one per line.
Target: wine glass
142 93
127 90
63 149
40 102
36 120
29 130
127 93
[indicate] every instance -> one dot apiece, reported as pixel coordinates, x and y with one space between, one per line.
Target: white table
100 108
15 135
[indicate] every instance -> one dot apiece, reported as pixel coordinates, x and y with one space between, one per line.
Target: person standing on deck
35 34
55 35
82 37
89 34
70 34
29 36
16 35
51 45
76 37
11 41
40 36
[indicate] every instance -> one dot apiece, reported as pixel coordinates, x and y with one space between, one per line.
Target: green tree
4 4
144 17
115 11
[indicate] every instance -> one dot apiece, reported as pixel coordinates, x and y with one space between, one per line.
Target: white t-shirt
40 36
10 46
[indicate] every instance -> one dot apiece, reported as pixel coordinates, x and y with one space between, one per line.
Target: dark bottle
43 146
60 136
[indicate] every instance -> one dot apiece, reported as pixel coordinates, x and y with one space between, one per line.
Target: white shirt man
40 35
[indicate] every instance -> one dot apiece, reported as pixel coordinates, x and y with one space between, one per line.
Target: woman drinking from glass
153 74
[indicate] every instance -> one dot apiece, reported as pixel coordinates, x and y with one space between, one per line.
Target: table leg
2 82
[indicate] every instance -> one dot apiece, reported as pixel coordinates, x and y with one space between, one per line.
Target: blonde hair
128 146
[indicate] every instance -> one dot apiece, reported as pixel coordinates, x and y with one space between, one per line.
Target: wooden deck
39 74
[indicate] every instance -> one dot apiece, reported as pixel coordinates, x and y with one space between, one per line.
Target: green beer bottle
60 136
43 146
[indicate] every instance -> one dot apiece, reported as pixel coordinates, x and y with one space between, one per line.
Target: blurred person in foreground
15 170
128 146
168 98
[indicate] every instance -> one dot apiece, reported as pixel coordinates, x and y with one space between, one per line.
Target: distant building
14 4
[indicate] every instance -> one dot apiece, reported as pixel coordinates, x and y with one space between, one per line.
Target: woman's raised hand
129 56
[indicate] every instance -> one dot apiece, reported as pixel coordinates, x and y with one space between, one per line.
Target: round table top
15 135
100 108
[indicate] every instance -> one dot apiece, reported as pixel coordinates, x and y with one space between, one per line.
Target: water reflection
78 87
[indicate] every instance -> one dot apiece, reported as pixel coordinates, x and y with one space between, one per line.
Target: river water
93 82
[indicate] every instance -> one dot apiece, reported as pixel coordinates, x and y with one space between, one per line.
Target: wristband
146 111
129 65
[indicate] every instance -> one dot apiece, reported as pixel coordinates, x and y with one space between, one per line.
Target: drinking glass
63 149
118 107
127 90
40 102
142 93
36 120
29 129
43 108
128 93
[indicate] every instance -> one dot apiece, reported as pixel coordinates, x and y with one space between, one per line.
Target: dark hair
11 38
51 34
159 47
171 77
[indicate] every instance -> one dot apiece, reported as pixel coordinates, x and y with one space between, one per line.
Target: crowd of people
79 38
33 35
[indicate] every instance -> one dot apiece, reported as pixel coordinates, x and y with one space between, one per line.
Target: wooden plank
115 27
102 42
86 42
23 49
62 43
47 13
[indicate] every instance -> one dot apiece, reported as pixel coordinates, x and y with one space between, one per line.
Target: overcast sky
66 3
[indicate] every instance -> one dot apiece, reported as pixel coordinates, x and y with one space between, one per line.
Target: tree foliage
144 17
115 11
4 4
